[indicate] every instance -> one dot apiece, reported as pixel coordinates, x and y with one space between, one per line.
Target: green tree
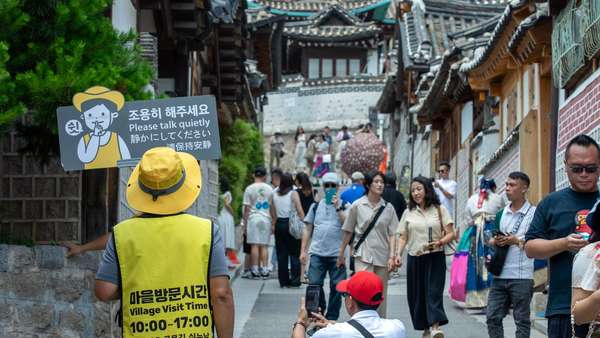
242 151
52 49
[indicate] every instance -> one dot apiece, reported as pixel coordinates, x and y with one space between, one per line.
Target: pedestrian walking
227 223
356 190
392 195
324 227
363 294
481 211
307 198
323 157
300 150
445 188
553 234
585 301
374 222
153 247
424 229
284 200
311 152
513 286
257 222
277 143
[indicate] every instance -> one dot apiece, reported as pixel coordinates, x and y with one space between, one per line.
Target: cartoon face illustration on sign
100 148
581 226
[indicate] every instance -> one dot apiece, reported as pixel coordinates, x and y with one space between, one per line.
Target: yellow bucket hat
165 182
99 92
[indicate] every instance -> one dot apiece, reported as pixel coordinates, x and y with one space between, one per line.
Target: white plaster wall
422 157
372 62
316 107
124 16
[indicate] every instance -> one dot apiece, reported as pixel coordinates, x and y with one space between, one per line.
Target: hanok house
333 64
197 48
575 50
427 33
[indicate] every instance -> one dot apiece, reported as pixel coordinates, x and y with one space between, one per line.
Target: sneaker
255 274
247 274
264 275
437 333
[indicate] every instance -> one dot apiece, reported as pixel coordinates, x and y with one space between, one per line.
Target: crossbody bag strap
517 225
360 328
443 232
370 227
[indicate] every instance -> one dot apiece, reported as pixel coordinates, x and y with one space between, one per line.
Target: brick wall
43 294
579 114
37 202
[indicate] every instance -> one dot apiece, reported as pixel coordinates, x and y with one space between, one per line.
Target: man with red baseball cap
363 293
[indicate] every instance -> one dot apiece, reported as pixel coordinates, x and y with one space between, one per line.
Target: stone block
6 143
20 257
45 231
102 319
50 256
67 292
87 261
33 166
55 209
5 188
67 231
73 209
72 319
12 165
34 316
22 231
45 187
29 285
22 187
69 187
6 313
53 167
4 250
11 210
34 209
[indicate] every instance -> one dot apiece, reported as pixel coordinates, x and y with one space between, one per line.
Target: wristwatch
342 208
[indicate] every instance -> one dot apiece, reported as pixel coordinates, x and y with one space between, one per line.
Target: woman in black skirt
425 227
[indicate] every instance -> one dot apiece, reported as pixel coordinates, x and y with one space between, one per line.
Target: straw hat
164 182
99 92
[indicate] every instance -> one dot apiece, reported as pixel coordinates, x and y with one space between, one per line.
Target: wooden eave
536 45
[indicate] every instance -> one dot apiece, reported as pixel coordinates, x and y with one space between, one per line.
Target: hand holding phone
313 294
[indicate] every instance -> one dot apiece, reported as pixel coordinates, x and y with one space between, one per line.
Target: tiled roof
357 79
314 6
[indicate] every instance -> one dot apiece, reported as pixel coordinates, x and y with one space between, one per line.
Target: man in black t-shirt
552 231
393 196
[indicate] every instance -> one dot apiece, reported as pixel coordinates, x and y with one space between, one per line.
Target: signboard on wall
101 130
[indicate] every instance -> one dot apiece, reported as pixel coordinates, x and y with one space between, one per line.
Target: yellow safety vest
107 155
164 264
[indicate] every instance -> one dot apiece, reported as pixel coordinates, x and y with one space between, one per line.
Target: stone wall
43 294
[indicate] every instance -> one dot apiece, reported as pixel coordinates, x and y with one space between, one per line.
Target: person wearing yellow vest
167 267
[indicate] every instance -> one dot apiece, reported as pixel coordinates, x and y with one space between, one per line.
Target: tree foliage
242 151
52 49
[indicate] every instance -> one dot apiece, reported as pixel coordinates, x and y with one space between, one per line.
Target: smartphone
497 233
313 294
329 193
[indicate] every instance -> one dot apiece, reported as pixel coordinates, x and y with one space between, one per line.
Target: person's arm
301 323
273 213
106 291
545 248
305 243
338 204
95 245
449 195
297 204
348 231
221 298
245 218
392 253
341 260
585 305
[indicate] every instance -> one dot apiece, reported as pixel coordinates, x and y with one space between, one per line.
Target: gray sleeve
218 265
109 270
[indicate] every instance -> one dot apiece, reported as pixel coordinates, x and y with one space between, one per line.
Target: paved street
265 310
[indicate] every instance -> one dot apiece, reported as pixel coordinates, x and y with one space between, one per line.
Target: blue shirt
556 217
354 192
327 233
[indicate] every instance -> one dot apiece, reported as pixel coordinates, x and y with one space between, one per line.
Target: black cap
260 172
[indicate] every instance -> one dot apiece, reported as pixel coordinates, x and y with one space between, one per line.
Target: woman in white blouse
585 299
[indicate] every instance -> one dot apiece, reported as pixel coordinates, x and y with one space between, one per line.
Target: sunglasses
442 171
329 185
578 169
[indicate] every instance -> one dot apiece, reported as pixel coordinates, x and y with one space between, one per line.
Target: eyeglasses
329 185
578 169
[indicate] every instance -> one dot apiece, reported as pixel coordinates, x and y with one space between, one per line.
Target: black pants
287 248
426 277
559 326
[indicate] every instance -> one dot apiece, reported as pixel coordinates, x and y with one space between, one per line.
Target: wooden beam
167 17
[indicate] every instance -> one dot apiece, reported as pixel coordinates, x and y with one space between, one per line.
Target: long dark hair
224 184
298 132
286 184
312 137
431 197
304 181
370 177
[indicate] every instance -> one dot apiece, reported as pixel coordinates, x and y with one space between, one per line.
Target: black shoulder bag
498 257
360 328
367 231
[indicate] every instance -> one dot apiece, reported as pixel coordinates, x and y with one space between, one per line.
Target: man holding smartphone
514 285
324 226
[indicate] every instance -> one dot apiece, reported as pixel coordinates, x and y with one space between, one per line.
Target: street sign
101 130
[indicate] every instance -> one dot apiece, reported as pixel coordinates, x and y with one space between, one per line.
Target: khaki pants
380 271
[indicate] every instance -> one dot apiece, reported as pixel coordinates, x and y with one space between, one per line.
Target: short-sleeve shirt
450 187
416 223
517 265
256 197
556 217
375 249
375 325
327 233
109 269
586 268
